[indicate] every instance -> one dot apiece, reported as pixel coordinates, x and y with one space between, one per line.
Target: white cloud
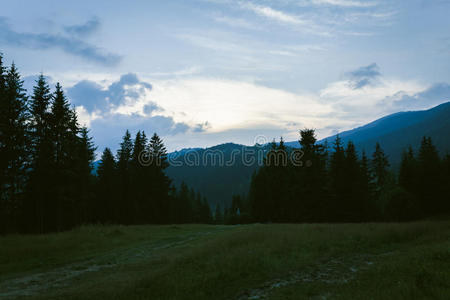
228 104
369 102
235 22
344 3
211 109
273 14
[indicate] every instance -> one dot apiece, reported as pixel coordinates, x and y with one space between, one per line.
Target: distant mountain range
397 131
394 132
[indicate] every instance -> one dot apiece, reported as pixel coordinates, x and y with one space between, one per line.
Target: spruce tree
183 208
446 181
380 166
408 177
85 177
218 215
369 206
160 183
431 185
205 215
3 160
124 157
14 146
139 181
353 200
336 211
107 207
41 156
64 135
309 186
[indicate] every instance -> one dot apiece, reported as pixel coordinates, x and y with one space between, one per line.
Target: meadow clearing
257 261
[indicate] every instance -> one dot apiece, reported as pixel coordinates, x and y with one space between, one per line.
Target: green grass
276 261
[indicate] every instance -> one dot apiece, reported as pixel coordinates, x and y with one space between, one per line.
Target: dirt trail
59 277
334 271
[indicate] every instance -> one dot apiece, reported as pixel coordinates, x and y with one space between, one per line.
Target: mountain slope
217 172
397 131
394 132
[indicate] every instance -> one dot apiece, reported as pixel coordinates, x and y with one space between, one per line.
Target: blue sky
212 71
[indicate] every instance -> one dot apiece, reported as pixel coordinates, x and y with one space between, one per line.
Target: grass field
260 261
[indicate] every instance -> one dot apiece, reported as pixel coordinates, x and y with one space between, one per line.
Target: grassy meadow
258 261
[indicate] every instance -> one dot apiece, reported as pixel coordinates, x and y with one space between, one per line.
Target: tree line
341 185
48 180
47 177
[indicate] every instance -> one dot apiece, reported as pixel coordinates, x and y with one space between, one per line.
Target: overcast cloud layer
212 71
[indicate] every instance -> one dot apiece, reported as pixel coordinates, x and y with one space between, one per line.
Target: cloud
68 43
359 100
88 94
108 130
434 95
273 14
344 3
93 97
234 22
151 107
202 127
233 104
84 29
364 76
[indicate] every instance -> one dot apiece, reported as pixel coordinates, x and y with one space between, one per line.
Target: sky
205 72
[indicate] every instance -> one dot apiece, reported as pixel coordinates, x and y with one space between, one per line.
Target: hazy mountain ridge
395 132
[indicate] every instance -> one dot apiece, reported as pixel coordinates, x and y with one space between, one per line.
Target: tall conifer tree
124 157
107 205
14 145
41 155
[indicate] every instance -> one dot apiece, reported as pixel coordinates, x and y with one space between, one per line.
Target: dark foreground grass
276 261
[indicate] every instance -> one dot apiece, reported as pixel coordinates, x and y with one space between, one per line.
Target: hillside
395 132
218 172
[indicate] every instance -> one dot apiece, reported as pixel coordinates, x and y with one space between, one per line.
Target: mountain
397 131
217 172
219 182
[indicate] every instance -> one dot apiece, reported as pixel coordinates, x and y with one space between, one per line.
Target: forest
47 178
339 185
48 182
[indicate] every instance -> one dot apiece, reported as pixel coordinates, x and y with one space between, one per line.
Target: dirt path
59 277
334 271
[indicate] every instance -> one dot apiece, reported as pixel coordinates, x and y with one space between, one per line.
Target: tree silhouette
107 208
14 146
41 157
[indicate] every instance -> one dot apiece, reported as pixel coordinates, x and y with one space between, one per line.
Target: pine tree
369 207
205 214
218 215
124 158
337 181
446 181
107 206
85 177
408 171
14 146
3 160
65 140
139 175
310 201
41 156
159 181
380 166
430 187
353 201
183 212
